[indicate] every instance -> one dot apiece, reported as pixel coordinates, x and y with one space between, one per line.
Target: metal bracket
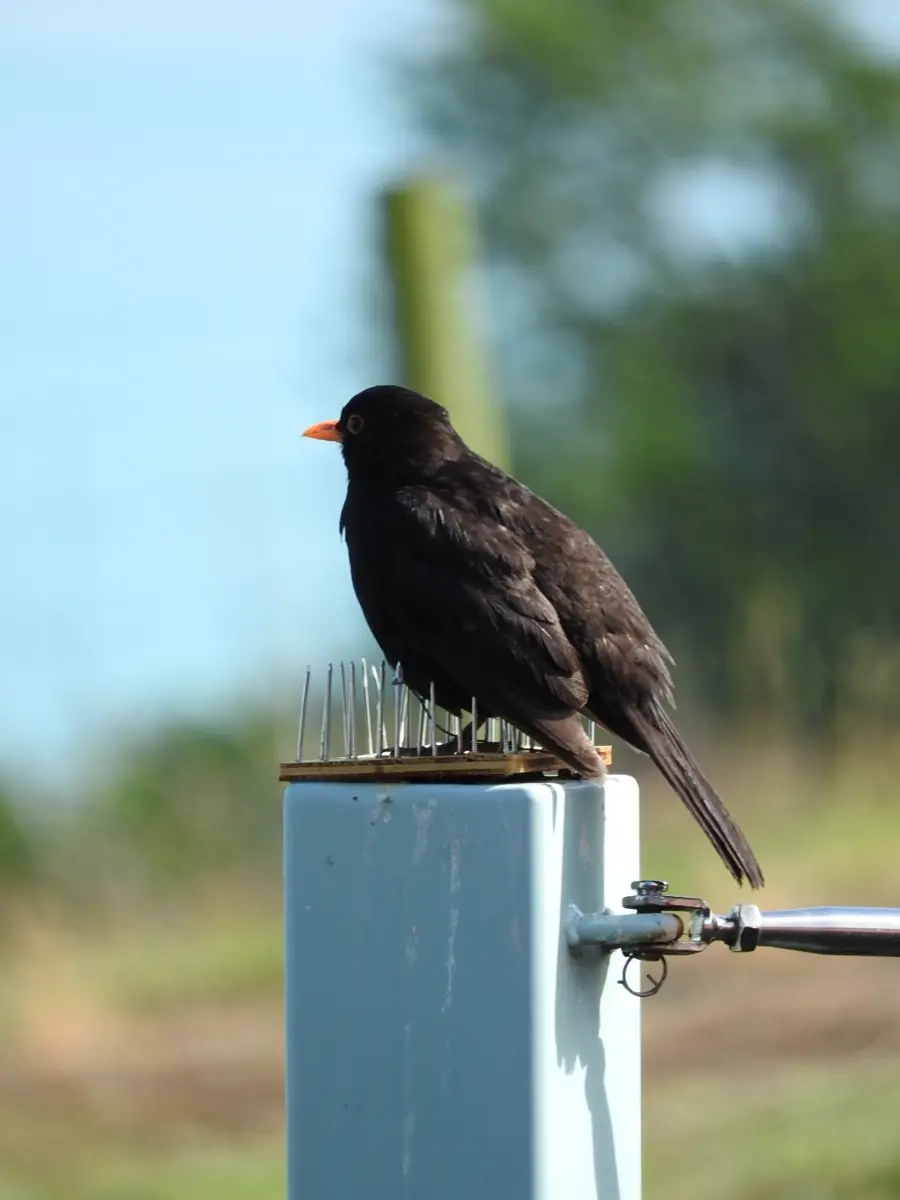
662 925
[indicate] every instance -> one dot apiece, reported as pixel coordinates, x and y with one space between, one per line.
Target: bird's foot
443 749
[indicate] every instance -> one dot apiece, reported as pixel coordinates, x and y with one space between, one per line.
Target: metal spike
474 725
303 702
325 740
379 683
592 732
397 713
364 669
433 720
345 714
352 723
460 749
421 725
405 706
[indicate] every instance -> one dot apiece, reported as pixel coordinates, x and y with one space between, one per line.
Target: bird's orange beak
325 431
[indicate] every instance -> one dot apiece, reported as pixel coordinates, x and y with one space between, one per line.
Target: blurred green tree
18 844
692 221
190 802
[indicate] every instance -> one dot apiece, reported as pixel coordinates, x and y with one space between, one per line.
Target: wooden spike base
421 767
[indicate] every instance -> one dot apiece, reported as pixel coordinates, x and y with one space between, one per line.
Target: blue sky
186 227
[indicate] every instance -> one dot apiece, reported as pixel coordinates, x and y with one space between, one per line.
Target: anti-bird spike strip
415 748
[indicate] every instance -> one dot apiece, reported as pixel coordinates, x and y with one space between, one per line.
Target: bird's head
387 431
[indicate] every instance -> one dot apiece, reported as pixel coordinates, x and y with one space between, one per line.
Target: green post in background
430 242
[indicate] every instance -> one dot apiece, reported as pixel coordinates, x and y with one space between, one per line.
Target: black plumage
475 584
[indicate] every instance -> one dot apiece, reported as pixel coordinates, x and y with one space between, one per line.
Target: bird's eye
354 423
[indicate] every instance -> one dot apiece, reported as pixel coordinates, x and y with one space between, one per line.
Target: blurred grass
825 827
207 962
140 985
100 1172
805 1133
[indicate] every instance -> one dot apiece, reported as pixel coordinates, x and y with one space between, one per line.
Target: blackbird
476 585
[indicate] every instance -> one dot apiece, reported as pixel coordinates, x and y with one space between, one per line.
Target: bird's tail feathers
662 741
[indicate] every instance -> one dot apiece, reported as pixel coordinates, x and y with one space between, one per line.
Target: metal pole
442 1042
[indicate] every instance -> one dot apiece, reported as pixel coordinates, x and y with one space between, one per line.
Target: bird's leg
464 739
452 744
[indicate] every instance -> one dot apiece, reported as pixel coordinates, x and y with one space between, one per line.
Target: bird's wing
461 593
620 652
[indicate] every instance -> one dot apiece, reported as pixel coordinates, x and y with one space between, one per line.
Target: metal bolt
650 887
747 927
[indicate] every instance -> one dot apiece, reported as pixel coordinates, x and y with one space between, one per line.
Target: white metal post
442 1042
